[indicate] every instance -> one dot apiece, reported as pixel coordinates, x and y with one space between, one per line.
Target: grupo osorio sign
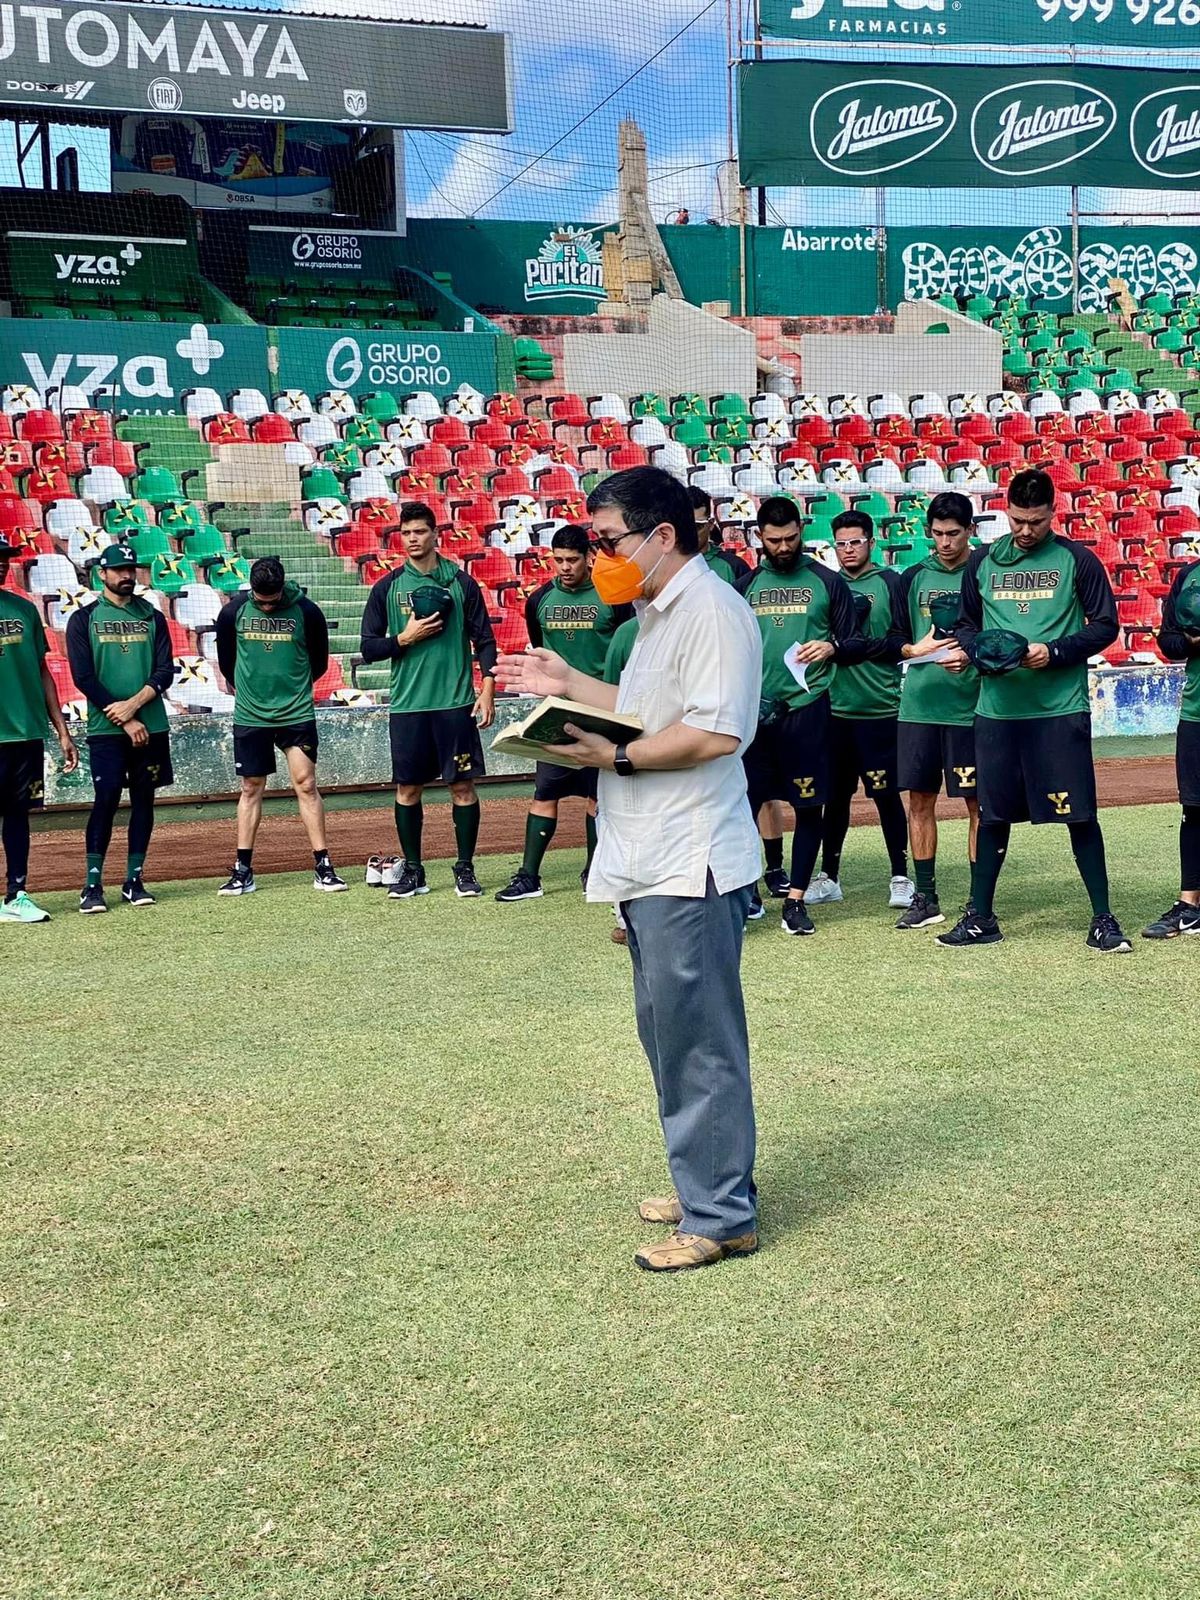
205 61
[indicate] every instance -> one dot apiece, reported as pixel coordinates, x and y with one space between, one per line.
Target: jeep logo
1037 126
878 125
245 101
1164 133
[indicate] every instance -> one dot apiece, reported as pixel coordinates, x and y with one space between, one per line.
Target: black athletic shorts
117 762
1187 763
254 748
435 746
22 777
789 759
556 783
933 758
864 747
1036 769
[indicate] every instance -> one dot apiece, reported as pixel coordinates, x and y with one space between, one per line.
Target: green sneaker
22 909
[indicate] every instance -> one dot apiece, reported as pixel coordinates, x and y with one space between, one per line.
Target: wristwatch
621 762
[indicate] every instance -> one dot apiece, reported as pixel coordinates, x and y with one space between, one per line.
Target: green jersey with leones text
795 607
575 623
22 649
434 674
620 650
1178 643
1057 594
930 693
871 688
121 644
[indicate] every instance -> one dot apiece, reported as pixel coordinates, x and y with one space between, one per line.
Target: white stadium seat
48 574
884 475
17 398
317 431
809 405
249 404
103 485
1044 403
648 431
927 475
424 405
201 404
768 407
609 407
888 404
339 405
673 458
197 606
1082 401
926 404
407 431
326 517
293 404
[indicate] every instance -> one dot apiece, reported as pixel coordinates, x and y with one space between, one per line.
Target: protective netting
268 273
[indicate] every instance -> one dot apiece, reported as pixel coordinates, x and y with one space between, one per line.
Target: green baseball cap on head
943 612
118 555
999 650
431 600
1187 609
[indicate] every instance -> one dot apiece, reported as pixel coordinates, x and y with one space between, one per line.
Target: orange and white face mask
619 580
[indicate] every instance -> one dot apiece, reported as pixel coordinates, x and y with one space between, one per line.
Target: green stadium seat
170 574
980 305
1117 378
158 485
825 504
322 484
731 405
49 312
382 407
711 451
342 456
816 530
181 517
1171 339
228 573
1159 301
148 543
363 431
123 518
731 430
651 405
208 542
1017 364
692 432
877 506
691 405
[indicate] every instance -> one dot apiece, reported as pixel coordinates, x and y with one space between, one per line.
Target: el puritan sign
934 125
205 61
1120 24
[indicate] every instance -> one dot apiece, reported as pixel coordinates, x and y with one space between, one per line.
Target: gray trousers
691 1019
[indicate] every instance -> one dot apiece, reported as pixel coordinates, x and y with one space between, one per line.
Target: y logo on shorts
965 776
878 778
806 788
1061 801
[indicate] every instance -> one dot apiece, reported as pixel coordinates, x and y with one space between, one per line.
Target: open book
546 723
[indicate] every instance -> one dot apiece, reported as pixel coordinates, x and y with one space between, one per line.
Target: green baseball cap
1187 610
943 612
118 555
431 600
999 650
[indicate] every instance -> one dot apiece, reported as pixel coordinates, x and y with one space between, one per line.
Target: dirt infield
205 849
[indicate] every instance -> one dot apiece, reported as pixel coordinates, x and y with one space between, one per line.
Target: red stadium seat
506 406
16 456
52 484
606 433
512 636
449 431
272 429
1134 424
434 458
554 481
569 408
90 427
1104 476
474 457
533 431
225 428
332 679
115 453
853 431
17 515
64 454
494 433
460 541
356 541
977 427
1017 426
626 456
64 684
491 567
461 485
814 431
510 482
36 426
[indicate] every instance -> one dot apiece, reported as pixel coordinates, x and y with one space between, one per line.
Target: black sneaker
240 881
409 881
327 880
466 885
92 901
778 883
1105 934
135 893
524 886
924 912
971 929
756 912
796 918
1181 918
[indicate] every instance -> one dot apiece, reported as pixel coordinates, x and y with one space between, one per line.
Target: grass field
318 1225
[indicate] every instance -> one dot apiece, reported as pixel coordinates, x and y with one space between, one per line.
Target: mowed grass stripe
318 1233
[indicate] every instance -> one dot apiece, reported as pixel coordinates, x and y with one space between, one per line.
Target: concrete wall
1126 701
682 348
969 358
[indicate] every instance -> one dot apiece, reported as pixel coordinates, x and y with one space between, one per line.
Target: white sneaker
381 872
391 866
824 891
901 891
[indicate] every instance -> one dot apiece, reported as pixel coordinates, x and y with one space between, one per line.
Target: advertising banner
44 265
934 125
208 62
311 254
1122 24
316 359
137 367
924 263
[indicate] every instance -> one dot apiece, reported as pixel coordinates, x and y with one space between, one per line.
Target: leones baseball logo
879 125
1164 133
570 262
1040 125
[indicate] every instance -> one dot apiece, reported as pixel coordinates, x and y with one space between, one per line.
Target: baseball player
807 621
425 619
120 654
272 646
937 701
1179 640
1035 607
28 703
569 617
865 697
724 563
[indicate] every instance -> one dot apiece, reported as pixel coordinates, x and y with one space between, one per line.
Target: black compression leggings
15 831
892 822
1189 850
99 831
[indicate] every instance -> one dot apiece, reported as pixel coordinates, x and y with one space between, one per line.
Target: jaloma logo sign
1040 125
1164 133
879 125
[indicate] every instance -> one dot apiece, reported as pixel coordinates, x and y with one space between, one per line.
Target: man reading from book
677 849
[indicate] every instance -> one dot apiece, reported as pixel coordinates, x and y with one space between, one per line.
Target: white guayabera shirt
697 660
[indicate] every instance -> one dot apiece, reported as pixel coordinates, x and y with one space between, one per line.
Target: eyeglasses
848 544
608 542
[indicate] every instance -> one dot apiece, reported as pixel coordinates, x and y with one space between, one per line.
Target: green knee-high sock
923 872
137 860
466 832
773 851
993 847
589 828
409 821
1087 842
538 833
95 871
